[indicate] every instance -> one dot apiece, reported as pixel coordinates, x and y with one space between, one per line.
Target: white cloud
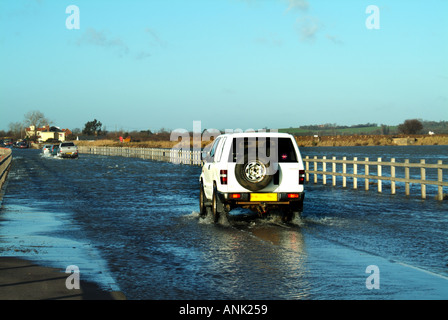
271 39
334 39
102 39
143 55
298 4
308 27
155 39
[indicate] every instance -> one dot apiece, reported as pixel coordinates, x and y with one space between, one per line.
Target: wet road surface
132 225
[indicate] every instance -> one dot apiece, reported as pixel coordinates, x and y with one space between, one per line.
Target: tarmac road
21 279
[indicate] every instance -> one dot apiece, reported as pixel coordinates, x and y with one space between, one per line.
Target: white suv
260 171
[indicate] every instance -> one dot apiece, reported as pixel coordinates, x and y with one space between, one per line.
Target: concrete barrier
5 164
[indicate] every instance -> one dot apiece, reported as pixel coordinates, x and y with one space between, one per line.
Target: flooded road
132 225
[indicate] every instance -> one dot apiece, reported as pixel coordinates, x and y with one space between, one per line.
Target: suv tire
292 211
217 205
254 175
202 207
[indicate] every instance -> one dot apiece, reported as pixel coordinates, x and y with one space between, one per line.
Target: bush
412 126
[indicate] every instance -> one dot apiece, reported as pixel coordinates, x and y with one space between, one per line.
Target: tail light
293 195
301 176
223 176
235 196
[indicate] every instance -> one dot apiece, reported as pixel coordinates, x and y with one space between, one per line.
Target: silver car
46 149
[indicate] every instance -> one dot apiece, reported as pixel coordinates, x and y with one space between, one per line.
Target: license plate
69 153
263 197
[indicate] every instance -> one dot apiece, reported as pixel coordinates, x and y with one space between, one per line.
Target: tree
36 119
92 128
411 126
385 129
76 131
15 129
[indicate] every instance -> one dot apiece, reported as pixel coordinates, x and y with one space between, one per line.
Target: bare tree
37 119
15 128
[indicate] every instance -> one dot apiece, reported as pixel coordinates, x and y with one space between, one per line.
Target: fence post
324 168
406 176
392 176
439 179
315 169
423 177
344 171
379 173
355 172
307 168
334 171
366 172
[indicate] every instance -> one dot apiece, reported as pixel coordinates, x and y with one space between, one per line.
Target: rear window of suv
262 146
68 144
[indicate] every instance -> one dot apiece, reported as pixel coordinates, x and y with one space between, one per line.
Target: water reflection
258 259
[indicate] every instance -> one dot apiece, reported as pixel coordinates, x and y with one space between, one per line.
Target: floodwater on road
132 225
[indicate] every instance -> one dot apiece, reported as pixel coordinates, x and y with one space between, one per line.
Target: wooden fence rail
156 154
378 165
360 169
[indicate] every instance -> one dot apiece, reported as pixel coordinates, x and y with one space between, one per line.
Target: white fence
354 170
384 171
157 154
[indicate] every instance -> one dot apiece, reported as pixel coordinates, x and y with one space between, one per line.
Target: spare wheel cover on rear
254 175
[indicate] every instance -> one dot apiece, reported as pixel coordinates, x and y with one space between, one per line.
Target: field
371 140
336 131
302 141
116 143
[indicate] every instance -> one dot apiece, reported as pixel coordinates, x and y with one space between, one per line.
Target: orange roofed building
47 132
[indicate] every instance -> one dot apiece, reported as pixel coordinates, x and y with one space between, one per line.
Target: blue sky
137 65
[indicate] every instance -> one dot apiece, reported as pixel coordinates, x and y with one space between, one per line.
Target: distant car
54 149
46 149
7 142
67 150
21 145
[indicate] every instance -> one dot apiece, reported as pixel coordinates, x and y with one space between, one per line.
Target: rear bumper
244 199
68 155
